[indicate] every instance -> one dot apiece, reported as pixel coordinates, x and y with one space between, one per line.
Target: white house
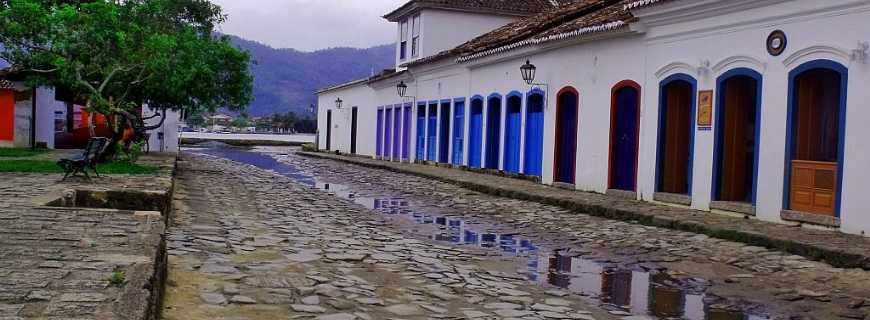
739 107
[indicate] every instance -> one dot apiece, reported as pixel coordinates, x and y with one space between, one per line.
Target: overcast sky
309 25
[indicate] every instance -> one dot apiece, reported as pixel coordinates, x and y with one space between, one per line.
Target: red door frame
620 85
556 153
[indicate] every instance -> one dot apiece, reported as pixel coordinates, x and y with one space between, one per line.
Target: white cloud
311 24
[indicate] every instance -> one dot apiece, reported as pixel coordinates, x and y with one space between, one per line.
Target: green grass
18 152
45 166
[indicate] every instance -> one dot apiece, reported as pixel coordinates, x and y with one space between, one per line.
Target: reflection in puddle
636 292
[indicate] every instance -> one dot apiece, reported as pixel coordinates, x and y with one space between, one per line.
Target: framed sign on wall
705 108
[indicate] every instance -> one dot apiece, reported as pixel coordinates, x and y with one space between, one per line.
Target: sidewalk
837 249
83 250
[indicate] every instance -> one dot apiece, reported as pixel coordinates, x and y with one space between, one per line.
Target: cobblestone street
250 244
339 241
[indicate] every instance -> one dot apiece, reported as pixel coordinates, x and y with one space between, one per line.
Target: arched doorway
624 131
444 133
512 131
566 135
817 116
475 133
458 131
736 153
534 152
493 130
676 135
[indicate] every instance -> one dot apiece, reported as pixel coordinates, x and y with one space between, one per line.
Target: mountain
286 79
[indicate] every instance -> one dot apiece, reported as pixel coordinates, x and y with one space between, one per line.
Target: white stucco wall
45 108
711 46
443 30
168 130
704 45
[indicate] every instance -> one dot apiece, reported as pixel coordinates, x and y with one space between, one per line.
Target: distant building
749 107
50 118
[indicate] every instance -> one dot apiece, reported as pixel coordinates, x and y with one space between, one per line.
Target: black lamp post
402 88
528 71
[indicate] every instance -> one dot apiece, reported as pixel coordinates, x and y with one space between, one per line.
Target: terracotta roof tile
507 7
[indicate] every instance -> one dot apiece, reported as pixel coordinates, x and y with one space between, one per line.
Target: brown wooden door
816 146
737 153
676 131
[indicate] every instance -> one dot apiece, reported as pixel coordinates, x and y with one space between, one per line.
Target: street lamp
338 103
528 71
402 88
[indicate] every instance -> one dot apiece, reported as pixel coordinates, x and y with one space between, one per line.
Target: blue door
512 128
475 134
534 156
444 133
458 131
623 139
421 132
379 144
566 136
432 133
493 130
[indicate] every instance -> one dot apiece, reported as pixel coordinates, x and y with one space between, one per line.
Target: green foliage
47 166
118 277
240 122
131 154
18 152
117 55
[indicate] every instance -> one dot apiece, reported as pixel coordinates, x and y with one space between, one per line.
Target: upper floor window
415 36
403 40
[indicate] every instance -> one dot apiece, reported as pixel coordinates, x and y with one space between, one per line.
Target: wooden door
815 166
566 136
353 127
7 115
676 132
737 139
624 139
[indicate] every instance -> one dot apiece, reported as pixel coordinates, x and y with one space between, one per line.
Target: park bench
87 160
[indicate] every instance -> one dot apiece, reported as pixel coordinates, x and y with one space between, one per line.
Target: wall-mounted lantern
338 103
528 71
402 88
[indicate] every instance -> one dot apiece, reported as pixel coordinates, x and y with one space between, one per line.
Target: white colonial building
748 107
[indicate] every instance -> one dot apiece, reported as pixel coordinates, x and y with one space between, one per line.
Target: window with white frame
415 36
403 44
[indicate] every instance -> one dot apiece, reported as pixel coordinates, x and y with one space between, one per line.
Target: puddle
641 292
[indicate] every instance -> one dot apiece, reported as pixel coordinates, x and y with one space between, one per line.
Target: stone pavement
59 263
787 286
247 243
837 249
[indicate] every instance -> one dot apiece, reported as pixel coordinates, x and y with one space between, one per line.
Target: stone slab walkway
834 248
57 263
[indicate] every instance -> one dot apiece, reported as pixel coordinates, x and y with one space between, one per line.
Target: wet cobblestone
250 244
785 285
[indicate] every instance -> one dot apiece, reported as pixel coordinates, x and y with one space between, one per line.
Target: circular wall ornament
776 43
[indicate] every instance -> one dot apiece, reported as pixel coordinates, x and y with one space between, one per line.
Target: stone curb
837 257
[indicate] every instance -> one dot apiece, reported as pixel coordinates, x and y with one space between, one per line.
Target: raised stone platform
82 263
835 248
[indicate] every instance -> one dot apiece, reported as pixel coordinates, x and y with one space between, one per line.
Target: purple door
388 137
379 143
397 127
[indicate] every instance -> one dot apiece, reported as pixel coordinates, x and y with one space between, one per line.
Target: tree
118 55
